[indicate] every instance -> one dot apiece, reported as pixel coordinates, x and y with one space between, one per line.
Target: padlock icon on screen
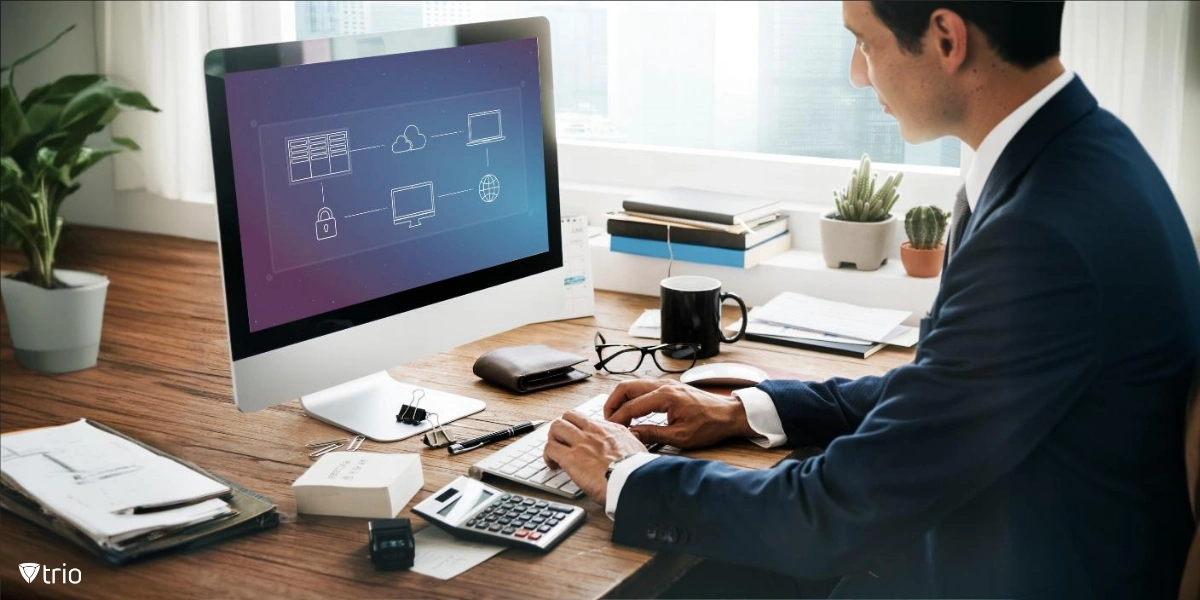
326 224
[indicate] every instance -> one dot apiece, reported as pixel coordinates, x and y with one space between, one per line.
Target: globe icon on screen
489 188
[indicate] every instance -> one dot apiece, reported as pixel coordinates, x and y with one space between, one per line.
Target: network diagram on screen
428 159
365 177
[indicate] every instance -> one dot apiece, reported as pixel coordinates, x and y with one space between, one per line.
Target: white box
359 484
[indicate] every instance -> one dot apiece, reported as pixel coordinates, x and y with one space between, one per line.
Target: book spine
650 231
674 211
684 252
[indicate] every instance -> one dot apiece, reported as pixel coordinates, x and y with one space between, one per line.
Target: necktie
958 222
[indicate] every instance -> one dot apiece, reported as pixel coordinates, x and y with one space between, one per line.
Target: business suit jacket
1033 447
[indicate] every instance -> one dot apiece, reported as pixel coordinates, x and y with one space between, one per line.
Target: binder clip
439 436
412 413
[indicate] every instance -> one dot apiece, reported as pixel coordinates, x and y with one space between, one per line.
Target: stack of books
118 497
698 226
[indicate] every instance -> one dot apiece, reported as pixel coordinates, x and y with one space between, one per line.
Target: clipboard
252 512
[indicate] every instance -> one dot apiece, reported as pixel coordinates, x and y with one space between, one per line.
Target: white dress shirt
997 140
760 409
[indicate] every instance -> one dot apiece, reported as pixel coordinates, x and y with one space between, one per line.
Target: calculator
471 509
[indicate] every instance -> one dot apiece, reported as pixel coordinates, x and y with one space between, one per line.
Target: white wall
25 25
1189 185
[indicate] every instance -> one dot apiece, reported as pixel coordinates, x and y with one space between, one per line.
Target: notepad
110 488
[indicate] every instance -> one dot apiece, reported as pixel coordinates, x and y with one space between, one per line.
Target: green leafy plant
925 226
44 149
861 202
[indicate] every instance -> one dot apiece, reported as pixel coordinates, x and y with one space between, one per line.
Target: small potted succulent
924 251
862 230
54 315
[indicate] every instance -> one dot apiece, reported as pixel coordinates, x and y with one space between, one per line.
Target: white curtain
1132 56
158 48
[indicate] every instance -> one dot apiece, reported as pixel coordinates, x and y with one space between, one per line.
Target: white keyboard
521 461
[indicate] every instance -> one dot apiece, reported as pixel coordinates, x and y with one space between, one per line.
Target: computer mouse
724 374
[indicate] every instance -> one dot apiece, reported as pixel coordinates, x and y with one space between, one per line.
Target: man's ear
948 34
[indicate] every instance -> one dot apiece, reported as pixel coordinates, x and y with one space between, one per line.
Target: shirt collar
993 145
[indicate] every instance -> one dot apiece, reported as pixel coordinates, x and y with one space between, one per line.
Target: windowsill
802 271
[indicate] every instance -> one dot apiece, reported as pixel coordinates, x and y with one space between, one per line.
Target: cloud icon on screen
411 139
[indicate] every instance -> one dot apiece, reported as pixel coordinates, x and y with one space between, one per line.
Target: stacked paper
797 316
109 488
359 484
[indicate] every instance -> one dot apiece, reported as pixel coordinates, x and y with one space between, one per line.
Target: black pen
495 436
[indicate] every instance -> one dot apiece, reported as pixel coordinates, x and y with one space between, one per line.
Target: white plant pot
56 331
864 245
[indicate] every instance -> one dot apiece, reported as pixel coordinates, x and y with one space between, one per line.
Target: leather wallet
529 368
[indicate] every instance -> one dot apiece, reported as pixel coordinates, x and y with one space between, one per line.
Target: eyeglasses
626 358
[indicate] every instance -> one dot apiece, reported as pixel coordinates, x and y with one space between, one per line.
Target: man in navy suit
1034 446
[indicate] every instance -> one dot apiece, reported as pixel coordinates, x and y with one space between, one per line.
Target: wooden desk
163 377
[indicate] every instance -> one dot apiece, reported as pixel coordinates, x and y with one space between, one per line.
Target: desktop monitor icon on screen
484 128
412 203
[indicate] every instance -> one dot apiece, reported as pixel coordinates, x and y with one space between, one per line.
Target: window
767 77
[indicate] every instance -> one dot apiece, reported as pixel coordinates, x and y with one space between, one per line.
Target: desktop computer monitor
372 212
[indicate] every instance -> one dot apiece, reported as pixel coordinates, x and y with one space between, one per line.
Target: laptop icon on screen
484 128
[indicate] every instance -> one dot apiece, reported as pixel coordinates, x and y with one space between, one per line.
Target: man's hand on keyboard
585 447
695 418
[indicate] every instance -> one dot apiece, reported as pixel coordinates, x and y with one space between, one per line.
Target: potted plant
924 252
54 315
862 229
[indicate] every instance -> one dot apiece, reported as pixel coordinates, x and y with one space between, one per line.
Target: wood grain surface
163 377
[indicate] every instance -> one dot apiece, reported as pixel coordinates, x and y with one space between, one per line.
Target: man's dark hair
1025 34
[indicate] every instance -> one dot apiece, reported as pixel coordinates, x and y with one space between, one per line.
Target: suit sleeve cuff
762 417
616 480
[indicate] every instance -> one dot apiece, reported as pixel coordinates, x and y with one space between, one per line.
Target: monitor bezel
245 343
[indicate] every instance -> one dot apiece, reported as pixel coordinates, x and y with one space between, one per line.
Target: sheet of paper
649 325
577 267
902 335
838 318
89 477
441 555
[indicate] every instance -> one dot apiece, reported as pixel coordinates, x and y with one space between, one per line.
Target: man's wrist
739 424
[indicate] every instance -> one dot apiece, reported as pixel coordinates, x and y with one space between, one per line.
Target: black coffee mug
691 313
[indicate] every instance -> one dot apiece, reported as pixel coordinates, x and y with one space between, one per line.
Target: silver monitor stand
368 406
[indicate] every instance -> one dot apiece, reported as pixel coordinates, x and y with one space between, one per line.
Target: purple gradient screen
361 178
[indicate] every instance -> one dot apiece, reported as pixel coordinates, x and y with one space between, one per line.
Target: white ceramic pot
864 245
56 331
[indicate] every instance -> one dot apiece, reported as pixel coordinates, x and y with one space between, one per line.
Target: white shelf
802 271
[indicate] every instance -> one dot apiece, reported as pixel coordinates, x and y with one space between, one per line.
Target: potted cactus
924 252
862 230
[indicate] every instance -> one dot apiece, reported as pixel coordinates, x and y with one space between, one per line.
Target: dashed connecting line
487 159
365 212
